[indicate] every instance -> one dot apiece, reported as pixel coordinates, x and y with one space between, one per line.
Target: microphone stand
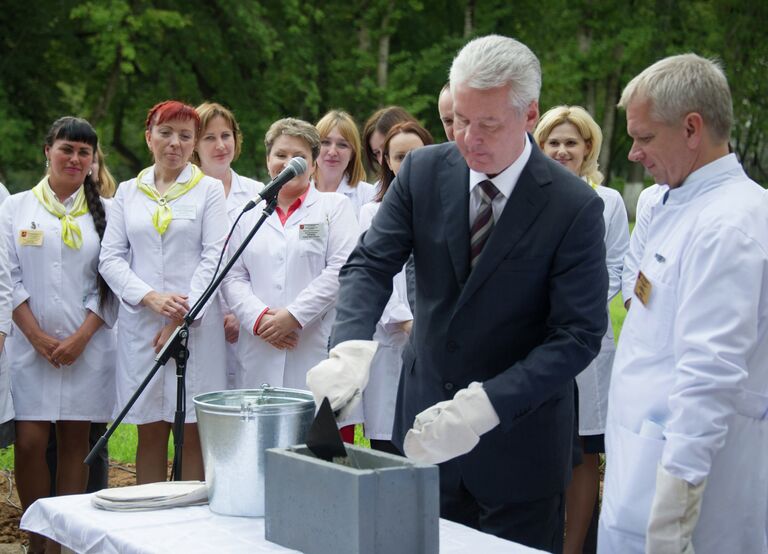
176 347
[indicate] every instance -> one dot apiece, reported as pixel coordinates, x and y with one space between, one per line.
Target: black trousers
537 523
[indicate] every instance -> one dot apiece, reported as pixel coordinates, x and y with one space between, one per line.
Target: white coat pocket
631 480
651 325
312 240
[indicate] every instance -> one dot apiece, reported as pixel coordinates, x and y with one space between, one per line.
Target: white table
75 524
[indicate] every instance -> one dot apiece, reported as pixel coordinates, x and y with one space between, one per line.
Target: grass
122 444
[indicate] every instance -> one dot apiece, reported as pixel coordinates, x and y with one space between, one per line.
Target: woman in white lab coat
570 136
394 326
339 164
220 143
98 471
283 289
163 240
61 352
7 425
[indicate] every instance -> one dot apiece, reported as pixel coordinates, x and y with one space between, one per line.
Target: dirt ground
11 538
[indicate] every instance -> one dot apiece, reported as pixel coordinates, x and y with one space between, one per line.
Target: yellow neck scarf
70 230
163 214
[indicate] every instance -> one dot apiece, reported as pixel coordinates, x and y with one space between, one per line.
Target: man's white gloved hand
674 513
451 428
343 376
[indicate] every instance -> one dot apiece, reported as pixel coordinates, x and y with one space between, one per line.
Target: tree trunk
101 109
584 39
118 144
609 122
382 64
364 38
469 19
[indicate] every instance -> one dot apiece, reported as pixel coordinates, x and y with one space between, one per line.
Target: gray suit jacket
525 321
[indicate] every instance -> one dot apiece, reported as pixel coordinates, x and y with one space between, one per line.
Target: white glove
451 428
343 376
674 513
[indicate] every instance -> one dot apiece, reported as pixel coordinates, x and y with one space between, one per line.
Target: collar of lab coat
704 179
237 189
344 187
149 175
312 196
149 179
235 186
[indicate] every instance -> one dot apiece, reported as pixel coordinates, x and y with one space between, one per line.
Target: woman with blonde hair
102 176
339 164
570 136
220 144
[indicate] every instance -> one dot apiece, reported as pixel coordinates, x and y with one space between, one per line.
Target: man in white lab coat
687 435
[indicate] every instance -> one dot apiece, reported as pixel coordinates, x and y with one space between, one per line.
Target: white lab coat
241 191
691 375
359 195
59 283
594 381
380 394
646 203
135 260
6 323
294 267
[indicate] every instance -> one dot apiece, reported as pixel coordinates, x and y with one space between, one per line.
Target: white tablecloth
74 523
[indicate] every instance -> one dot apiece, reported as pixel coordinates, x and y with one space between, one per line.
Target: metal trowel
324 439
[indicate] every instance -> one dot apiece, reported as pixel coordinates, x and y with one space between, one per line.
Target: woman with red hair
160 249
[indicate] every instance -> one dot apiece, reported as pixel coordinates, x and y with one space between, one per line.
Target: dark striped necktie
483 224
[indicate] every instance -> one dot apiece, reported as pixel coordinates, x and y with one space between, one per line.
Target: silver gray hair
679 85
496 61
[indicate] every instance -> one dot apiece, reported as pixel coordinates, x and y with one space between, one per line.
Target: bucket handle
248 409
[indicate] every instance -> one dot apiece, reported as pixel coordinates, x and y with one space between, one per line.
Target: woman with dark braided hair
61 352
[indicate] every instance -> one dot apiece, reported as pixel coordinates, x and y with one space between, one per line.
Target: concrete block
378 504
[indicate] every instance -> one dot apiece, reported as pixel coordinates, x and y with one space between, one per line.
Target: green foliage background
111 60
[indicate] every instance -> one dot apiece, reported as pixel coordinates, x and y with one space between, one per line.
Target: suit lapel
521 210
453 183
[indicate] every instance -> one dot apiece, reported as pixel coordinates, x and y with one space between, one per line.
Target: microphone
296 166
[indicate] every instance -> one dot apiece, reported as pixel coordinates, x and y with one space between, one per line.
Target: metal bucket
236 427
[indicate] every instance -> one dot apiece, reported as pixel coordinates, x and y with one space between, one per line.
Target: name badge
184 212
643 288
31 237
311 231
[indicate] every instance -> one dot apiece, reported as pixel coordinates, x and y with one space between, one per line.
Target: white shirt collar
507 179
703 179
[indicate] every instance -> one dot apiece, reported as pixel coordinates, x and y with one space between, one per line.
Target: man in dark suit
510 293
